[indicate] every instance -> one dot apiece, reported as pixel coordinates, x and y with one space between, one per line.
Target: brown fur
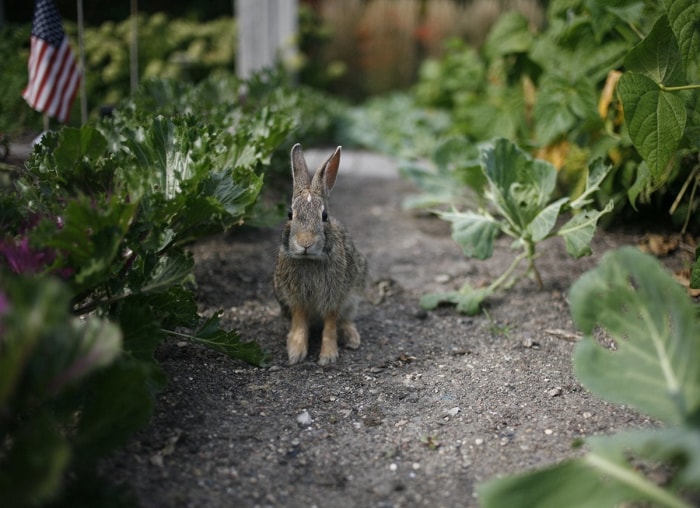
319 274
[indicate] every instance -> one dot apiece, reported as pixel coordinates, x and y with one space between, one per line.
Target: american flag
53 73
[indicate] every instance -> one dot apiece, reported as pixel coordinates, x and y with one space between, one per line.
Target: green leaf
76 144
474 232
170 270
656 368
678 445
33 463
562 105
117 401
655 120
518 185
95 344
544 222
597 172
573 483
684 18
579 230
211 335
467 300
657 56
593 481
510 34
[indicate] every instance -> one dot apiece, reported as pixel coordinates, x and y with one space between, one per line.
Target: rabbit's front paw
329 345
328 357
297 345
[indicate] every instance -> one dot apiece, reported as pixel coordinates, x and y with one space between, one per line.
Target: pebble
452 412
304 419
554 392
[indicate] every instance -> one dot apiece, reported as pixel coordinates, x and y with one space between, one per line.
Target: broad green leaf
574 484
684 18
594 481
162 152
544 222
211 335
33 463
655 120
579 230
34 306
169 271
95 343
474 232
656 368
117 401
141 326
657 56
77 143
510 34
563 103
518 185
467 300
678 445
597 171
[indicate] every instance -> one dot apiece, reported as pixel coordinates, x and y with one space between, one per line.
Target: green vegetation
519 189
96 270
654 369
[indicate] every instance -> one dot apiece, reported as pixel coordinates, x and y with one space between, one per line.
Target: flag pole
134 47
81 47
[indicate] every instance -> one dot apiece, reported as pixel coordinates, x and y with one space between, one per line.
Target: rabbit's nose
305 240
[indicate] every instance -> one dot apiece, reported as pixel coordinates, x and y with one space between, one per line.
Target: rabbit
319 275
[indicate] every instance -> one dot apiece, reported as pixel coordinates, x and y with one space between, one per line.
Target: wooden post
267 31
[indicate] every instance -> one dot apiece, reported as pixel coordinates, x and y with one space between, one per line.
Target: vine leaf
655 120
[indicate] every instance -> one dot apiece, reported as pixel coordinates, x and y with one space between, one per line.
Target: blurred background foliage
541 73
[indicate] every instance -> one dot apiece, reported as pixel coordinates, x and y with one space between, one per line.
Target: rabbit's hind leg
298 337
350 334
329 341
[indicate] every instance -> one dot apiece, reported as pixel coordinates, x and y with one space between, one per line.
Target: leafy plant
655 369
558 93
660 99
519 190
96 272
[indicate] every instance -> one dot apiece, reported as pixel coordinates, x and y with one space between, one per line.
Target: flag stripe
54 76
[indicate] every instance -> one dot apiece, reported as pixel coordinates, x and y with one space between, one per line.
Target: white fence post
267 31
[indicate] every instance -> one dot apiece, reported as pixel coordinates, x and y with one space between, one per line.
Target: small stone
393 466
478 441
421 314
549 432
443 278
554 392
304 419
452 412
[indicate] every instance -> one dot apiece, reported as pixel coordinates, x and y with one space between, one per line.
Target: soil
429 406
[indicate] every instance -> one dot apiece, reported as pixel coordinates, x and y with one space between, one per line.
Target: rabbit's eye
324 216
290 214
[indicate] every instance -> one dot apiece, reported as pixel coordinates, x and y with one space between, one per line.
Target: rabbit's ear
300 172
324 179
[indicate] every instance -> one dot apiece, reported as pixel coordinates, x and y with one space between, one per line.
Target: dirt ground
429 406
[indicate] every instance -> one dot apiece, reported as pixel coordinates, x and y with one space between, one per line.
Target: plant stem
531 255
635 481
665 88
492 287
